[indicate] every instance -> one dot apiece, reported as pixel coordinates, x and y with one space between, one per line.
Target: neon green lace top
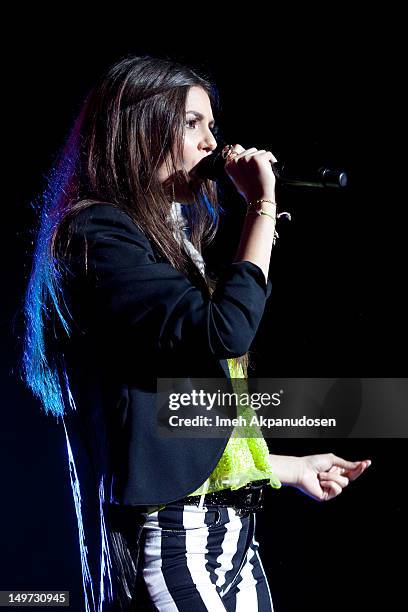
245 458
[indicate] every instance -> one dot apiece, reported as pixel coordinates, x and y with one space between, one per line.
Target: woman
119 296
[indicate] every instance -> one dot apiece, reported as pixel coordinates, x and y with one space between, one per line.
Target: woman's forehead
199 101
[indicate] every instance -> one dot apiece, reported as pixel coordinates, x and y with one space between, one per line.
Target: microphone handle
322 177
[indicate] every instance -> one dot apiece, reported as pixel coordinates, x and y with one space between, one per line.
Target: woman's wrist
287 468
264 197
262 207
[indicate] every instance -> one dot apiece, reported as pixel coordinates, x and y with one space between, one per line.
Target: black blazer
136 319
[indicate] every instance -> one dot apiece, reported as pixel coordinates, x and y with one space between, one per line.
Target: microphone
212 167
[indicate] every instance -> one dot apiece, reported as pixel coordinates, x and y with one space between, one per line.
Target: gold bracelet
261 212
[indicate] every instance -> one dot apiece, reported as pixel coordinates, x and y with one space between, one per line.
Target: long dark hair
130 123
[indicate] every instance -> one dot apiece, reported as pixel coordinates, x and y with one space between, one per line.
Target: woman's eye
191 121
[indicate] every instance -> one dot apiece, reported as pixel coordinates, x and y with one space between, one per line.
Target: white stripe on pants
196 560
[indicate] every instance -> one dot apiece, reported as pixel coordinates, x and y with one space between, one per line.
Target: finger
231 151
238 151
334 477
273 158
336 468
343 463
237 148
248 153
269 155
253 152
330 489
353 474
233 157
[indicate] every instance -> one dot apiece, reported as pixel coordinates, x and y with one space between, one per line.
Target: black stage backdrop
319 89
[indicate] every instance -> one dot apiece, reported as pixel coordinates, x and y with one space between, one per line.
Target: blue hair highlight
44 297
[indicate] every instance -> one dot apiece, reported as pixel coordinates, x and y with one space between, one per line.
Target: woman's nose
209 143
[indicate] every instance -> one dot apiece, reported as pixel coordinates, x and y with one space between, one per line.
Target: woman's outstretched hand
323 477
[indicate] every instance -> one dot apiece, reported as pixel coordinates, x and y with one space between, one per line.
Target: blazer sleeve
142 300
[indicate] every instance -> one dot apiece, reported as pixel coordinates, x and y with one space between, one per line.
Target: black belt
246 499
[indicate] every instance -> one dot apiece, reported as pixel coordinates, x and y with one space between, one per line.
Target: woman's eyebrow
200 116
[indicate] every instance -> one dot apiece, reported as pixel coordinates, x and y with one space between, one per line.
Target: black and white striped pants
194 560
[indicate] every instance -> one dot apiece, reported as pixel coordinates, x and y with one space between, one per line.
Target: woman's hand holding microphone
251 172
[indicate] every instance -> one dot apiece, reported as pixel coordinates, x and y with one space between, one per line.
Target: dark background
321 87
